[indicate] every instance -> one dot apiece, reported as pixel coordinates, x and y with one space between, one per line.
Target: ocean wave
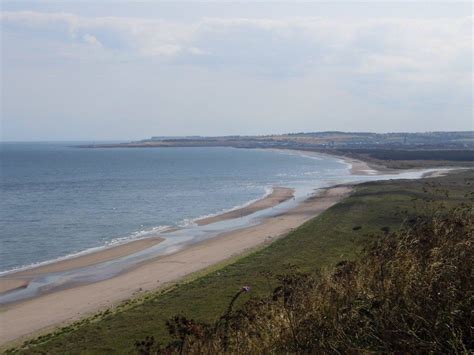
299 153
95 235
143 234
315 156
138 235
189 222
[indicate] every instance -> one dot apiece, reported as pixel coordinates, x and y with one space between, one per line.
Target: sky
109 70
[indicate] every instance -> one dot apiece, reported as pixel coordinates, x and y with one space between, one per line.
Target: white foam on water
139 235
193 221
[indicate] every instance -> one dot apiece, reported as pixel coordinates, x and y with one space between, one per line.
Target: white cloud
366 46
117 34
89 39
209 73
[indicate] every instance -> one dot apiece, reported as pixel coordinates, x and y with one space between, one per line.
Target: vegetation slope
411 291
335 239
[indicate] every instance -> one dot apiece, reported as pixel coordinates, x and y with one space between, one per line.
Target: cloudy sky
101 70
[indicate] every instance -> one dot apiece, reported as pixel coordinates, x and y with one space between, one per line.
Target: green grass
408 292
320 243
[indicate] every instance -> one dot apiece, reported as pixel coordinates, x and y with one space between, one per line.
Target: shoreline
278 195
15 280
20 279
31 316
358 167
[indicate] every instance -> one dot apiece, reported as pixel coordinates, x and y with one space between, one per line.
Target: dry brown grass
411 291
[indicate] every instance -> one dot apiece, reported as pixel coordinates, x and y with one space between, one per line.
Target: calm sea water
58 200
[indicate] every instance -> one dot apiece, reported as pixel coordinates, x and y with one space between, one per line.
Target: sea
59 200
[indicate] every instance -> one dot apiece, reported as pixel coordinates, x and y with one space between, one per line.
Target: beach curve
33 316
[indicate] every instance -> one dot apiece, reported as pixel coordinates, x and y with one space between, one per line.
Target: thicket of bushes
411 291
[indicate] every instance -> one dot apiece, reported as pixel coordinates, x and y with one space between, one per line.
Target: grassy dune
409 292
338 234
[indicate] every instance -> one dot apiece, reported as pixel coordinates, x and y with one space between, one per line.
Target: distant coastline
84 300
384 152
20 279
159 271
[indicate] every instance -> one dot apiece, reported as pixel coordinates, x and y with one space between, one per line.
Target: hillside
410 291
340 234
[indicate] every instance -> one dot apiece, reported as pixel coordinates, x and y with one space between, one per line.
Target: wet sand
277 196
35 315
21 279
439 173
358 167
12 283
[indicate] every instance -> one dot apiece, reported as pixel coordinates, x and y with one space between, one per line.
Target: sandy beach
358 167
277 196
46 312
22 278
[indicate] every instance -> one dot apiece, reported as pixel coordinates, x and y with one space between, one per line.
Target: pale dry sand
358 167
20 279
278 195
44 313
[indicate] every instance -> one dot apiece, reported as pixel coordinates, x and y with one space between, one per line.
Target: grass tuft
410 292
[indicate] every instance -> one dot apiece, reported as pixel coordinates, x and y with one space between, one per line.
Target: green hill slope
338 234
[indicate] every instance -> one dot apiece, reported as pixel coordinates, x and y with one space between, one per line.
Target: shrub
410 291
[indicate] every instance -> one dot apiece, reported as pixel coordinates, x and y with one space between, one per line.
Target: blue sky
127 70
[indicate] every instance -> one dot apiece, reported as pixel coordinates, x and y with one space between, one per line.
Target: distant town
396 150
